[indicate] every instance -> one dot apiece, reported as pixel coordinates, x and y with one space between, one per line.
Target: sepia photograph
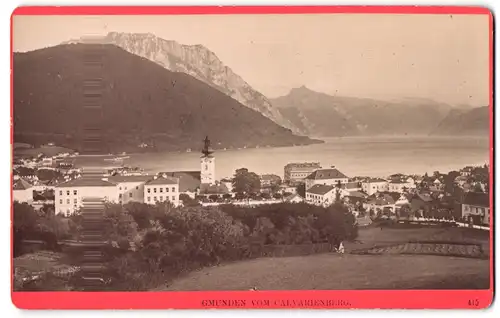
251 152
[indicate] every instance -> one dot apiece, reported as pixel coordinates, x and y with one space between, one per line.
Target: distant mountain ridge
323 115
145 106
199 62
465 122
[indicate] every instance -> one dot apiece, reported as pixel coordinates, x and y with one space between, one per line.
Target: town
56 184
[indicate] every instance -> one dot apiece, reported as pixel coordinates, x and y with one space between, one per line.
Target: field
391 258
384 265
374 237
328 271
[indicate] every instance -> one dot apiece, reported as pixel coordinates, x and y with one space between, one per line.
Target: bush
297 223
149 244
214 197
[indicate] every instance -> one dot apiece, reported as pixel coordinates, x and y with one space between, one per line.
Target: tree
301 190
265 195
405 211
25 171
337 194
48 174
25 219
449 181
29 225
120 227
338 224
245 182
49 194
275 187
187 200
56 224
214 197
478 188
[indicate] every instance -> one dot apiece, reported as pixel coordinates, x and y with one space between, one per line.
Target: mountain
320 114
199 62
465 122
142 104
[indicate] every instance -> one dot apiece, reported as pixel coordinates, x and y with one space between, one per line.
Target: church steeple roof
207 150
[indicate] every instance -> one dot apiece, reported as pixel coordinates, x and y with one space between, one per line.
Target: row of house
296 172
399 185
133 187
149 189
325 186
120 189
475 207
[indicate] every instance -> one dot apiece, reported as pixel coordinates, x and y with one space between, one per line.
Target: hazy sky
442 57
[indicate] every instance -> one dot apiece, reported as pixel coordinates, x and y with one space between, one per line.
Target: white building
381 201
329 177
162 189
476 207
287 189
321 195
22 191
294 198
130 188
47 162
374 185
228 183
400 186
189 181
69 195
296 172
352 186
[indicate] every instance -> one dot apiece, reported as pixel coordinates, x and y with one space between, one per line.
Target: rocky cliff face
199 62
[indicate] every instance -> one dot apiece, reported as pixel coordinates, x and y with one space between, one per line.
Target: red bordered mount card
252 157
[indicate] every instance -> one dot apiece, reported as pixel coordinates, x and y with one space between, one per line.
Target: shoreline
354 156
315 140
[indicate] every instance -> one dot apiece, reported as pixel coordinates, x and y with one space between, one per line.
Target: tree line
149 244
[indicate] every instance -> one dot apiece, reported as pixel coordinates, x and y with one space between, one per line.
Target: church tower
207 161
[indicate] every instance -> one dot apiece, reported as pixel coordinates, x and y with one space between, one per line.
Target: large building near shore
331 177
130 188
297 172
69 195
189 181
160 190
116 189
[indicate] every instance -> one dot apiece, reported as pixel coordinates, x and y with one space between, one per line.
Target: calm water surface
355 156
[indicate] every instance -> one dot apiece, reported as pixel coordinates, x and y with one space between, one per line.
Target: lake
354 156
